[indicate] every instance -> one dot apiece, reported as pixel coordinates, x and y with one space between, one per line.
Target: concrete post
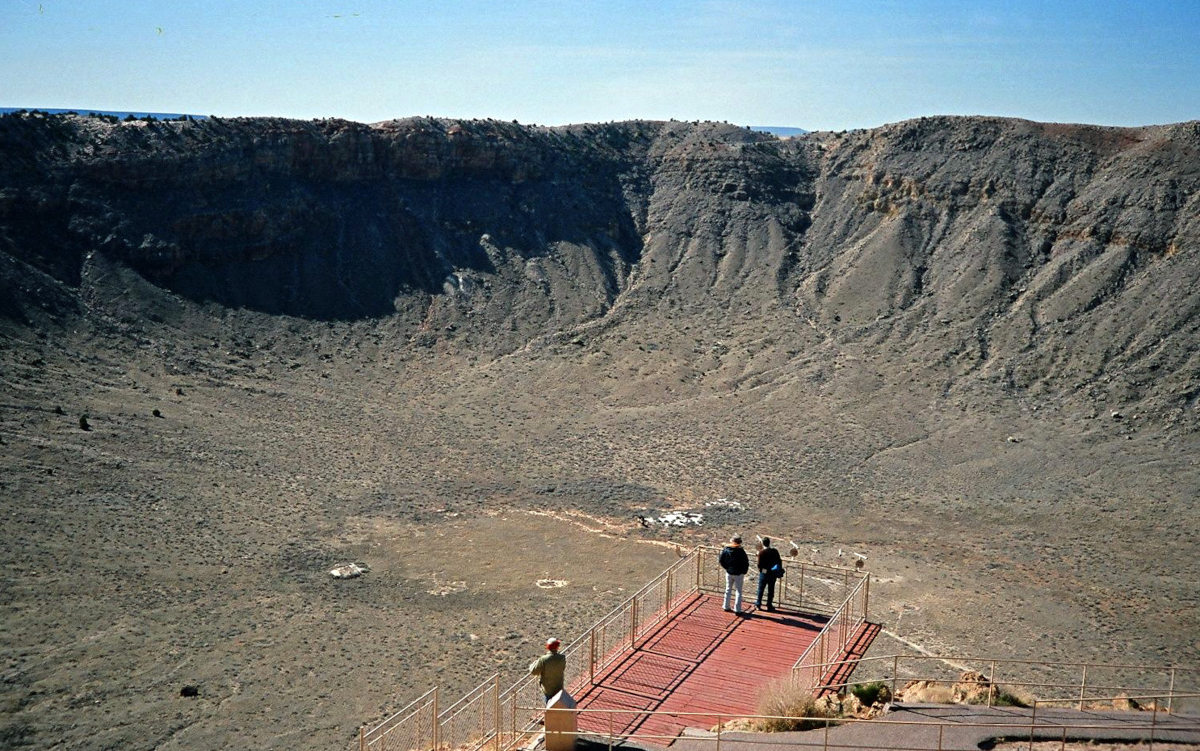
562 722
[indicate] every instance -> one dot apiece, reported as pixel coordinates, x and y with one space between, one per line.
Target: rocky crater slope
1052 259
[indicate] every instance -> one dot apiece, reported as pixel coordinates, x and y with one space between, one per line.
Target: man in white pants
735 562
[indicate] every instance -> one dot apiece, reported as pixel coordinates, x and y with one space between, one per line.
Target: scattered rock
349 570
676 519
83 423
1116 415
190 691
973 688
1013 439
156 413
59 411
724 503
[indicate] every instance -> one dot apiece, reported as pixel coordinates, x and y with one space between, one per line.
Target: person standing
550 669
735 562
768 559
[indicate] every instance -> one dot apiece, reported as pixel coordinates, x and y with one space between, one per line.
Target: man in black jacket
768 559
733 559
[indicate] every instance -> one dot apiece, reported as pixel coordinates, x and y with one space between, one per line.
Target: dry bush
1002 697
789 708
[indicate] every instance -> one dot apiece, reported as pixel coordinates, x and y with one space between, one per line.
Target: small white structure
562 722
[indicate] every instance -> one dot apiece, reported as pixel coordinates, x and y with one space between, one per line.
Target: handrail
1043 663
383 727
1060 726
806 659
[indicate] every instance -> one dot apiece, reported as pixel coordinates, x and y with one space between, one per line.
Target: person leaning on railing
550 669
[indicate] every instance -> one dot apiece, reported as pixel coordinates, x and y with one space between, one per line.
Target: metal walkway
702 659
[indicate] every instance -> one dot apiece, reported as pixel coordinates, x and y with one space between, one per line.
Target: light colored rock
349 570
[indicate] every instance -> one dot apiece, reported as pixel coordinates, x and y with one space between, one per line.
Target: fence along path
834 598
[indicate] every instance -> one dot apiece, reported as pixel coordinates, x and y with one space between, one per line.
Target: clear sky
824 64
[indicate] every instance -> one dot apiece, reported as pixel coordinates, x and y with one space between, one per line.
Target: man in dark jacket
733 559
768 559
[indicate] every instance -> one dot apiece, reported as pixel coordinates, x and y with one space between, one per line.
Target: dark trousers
765 581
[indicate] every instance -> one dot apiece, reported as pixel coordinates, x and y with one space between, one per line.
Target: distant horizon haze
842 65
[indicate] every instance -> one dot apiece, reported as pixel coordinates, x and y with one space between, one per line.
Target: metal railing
489 716
808 587
1152 725
819 663
415 726
1082 683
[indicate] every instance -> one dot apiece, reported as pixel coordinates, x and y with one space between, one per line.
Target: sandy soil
151 553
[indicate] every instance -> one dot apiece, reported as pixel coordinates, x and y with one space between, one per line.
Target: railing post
1083 686
362 742
633 622
699 562
1153 724
802 571
825 742
867 598
592 655
718 732
991 683
668 604
824 658
895 670
496 705
1032 723
437 725
1171 689
941 732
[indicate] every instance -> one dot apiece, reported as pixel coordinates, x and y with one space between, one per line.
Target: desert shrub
788 708
871 693
1002 698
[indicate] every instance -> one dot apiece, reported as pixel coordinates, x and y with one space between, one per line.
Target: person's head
736 540
766 542
553 644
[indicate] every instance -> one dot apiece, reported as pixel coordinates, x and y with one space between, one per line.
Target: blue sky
817 65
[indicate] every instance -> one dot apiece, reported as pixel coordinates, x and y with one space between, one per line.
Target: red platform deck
703 660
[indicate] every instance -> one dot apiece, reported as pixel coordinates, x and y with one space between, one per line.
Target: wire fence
413 727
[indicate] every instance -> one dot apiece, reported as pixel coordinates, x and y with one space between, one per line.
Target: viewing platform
704 660
668 648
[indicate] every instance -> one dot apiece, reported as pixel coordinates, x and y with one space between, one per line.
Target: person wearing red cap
550 669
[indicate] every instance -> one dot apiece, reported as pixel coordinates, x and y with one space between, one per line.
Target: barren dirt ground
191 548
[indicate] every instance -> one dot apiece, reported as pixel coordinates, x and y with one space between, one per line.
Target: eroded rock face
1030 256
